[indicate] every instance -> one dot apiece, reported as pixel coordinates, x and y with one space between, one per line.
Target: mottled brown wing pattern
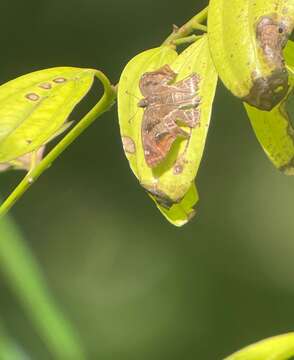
159 131
165 104
156 81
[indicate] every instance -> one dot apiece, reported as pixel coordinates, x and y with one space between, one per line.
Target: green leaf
35 107
246 40
289 53
177 187
275 132
275 348
180 214
195 59
130 115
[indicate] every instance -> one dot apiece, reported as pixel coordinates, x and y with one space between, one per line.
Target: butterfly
165 104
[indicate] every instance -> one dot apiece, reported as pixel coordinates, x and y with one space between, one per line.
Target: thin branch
187 28
187 40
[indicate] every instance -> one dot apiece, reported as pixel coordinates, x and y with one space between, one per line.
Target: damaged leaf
34 109
179 214
274 131
246 40
170 181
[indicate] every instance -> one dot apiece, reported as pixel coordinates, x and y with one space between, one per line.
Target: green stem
200 27
187 28
187 40
24 276
103 105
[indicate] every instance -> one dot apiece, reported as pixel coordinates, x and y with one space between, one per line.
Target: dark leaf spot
128 145
45 86
59 80
32 97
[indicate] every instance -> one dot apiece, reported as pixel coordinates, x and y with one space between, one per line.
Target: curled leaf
246 40
179 214
35 107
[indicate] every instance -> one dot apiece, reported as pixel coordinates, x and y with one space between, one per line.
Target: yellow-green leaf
275 132
179 214
176 187
130 115
246 40
35 107
275 348
289 53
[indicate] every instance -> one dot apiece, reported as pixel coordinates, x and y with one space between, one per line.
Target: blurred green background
134 286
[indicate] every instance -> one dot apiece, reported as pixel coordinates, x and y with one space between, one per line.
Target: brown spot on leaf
32 97
45 86
159 196
128 145
178 169
59 80
272 34
267 92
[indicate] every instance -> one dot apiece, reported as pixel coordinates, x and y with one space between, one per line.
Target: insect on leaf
130 115
184 88
274 130
35 107
166 102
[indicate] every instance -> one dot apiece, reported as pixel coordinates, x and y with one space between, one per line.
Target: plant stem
177 37
103 105
187 40
200 27
187 28
24 276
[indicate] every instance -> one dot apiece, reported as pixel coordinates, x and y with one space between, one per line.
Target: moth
165 105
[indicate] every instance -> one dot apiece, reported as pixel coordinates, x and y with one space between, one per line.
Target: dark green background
133 285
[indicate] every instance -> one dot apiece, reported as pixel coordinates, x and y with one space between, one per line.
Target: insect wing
156 139
156 81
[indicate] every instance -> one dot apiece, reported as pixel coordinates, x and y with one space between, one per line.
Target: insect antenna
135 114
135 96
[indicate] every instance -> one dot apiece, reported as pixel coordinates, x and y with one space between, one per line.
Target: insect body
165 103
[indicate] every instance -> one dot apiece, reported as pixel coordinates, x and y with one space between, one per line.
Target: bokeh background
132 285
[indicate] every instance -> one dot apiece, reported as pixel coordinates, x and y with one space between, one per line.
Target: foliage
242 44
